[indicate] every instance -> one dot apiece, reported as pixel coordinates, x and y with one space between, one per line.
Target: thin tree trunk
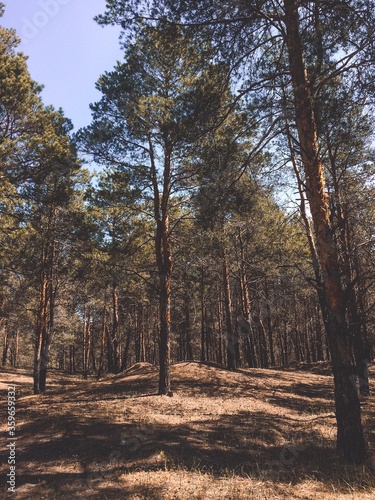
40 331
125 354
220 358
72 360
246 309
269 323
92 357
103 338
5 341
114 331
16 349
86 341
189 346
263 345
203 356
45 315
232 341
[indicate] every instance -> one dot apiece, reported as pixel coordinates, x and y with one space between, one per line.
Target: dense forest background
197 235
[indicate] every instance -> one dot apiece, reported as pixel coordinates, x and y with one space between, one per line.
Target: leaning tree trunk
350 439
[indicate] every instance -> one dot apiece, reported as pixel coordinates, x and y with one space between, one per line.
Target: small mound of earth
204 373
140 369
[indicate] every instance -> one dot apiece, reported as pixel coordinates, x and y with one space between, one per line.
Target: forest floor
253 434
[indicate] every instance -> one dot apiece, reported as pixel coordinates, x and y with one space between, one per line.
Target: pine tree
154 107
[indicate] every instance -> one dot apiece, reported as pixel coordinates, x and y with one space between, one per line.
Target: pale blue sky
67 50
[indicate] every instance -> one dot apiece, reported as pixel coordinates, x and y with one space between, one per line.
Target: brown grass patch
253 434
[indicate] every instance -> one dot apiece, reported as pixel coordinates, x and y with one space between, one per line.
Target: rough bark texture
350 439
163 252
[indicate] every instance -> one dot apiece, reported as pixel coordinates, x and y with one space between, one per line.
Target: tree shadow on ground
68 443
246 444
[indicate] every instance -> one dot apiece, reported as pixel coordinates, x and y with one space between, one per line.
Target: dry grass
255 434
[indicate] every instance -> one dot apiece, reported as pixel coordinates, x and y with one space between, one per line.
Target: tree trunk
114 331
164 347
86 341
350 439
72 360
269 323
163 253
246 310
6 342
48 332
125 354
220 356
232 340
40 331
102 342
203 356
360 351
262 344
188 345
92 357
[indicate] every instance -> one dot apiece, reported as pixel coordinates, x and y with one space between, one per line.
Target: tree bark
48 332
125 354
269 323
103 338
4 324
163 253
72 360
203 356
114 330
188 345
360 350
220 325
86 341
40 330
350 439
232 340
